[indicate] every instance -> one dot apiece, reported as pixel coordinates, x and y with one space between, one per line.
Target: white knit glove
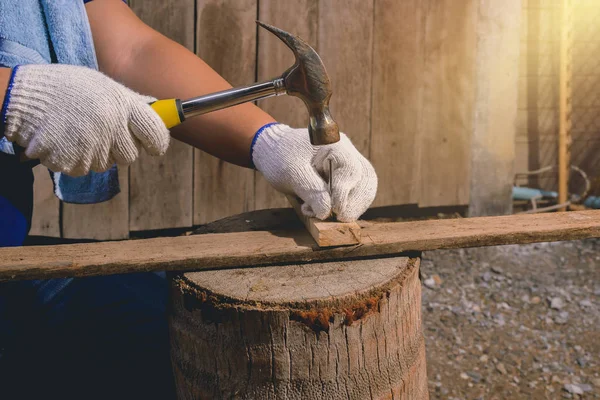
75 119
293 165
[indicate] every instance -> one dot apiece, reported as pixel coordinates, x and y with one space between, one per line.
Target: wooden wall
537 129
406 80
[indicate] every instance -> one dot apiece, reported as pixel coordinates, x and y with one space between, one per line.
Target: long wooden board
448 101
274 57
46 215
227 250
102 221
493 140
160 188
345 43
226 40
398 55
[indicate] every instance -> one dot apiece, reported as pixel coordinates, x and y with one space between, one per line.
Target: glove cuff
7 95
255 138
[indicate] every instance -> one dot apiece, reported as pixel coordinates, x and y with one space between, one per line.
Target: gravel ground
513 322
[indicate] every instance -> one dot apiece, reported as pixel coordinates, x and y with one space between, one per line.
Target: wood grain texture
327 233
226 40
274 57
46 216
448 101
565 101
398 54
228 250
161 188
493 142
102 221
340 330
345 44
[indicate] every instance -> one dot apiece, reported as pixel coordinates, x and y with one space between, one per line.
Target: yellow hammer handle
170 111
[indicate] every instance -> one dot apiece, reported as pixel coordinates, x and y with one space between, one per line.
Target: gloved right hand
75 119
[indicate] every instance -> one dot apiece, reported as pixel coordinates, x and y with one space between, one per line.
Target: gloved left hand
292 165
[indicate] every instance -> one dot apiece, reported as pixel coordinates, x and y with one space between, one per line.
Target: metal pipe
231 97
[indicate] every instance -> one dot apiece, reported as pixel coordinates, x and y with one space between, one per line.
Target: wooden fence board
274 57
448 101
228 250
102 221
161 187
226 40
345 43
397 100
493 142
46 215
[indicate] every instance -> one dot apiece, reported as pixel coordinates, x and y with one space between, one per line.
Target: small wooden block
328 233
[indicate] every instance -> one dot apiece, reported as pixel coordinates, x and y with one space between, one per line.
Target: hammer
306 79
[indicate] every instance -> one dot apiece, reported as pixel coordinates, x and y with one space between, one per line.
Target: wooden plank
161 187
565 104
448 101
345 43
102 221
327 233
493 142
46 215
274 57
397 100
227 42
228 250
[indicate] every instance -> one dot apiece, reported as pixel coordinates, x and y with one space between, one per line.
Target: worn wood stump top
336 330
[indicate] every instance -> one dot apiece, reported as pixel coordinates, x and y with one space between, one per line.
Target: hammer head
308 80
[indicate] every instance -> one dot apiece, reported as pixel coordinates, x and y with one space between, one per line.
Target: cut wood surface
160 188
327 233
227 250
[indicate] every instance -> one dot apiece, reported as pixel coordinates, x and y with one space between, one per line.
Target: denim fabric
95 338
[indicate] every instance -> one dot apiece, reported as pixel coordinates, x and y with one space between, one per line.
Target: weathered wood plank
227 250
226 40
102 221
493 142
345 43
327 233
397 100
46 215
274 57
161 187
448 101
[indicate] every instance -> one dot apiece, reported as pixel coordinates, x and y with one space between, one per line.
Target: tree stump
335 330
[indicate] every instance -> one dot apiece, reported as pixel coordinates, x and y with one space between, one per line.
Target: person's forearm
166 70
148 62
4 78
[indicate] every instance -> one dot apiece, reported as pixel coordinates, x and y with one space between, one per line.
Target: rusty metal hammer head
308 80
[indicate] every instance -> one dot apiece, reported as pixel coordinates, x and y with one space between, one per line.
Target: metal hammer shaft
232 97
175 111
